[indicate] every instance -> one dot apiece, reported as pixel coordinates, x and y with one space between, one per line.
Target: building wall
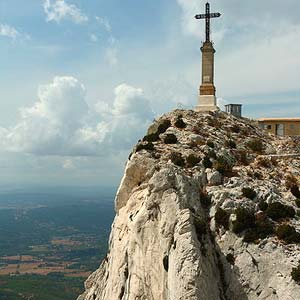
290 128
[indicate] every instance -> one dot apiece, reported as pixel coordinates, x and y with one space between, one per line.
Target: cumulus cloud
58 10
8 31
61 122
12 33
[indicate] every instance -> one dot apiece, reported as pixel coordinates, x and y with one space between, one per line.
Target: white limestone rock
165 244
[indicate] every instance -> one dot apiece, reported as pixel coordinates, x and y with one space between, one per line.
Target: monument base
207 103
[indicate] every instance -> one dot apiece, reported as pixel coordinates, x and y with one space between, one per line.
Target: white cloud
62 124
112 51
12 33
58 10
104 22
8 31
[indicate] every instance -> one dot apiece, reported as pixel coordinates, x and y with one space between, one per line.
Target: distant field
48 247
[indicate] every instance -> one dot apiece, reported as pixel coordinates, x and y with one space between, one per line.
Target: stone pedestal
207 103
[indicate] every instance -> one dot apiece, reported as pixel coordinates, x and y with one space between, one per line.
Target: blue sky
81 80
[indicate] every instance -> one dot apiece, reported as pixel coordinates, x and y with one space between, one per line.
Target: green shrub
210 144
145 146
212 154
297 201
277 211
288 234
244 220
263 206
235 128
179 123
222 165
257 175
151 137
159 127
192 160
295 191
170 138
201 228
231 144
255 145
205 199
262 229
230 258
213 122
207 163
264 162
296 274
249 193
156 129
222 218
177 159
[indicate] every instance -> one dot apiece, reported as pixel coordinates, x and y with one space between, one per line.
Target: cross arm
204 16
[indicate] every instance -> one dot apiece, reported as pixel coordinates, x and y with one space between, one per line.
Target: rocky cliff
208 210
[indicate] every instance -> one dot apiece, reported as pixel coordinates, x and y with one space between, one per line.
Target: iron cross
207 16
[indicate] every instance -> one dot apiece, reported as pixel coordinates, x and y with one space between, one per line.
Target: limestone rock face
168 241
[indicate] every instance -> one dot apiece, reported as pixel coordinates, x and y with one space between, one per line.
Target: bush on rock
277 211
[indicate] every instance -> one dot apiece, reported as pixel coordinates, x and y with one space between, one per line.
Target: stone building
234 109
281 126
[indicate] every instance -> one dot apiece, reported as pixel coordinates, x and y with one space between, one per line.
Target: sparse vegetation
244 220
295 191
258 175
145 146
207 163
170 139
200 226
235 128
241 156
205 199
296 274
192 160
262 229
255 144
213 122
177 159
222 165
230 258
249 193
179 123
288 234
210 144
156 129
263 206
277 211
231 144
264 162
222 218
290 180
212 154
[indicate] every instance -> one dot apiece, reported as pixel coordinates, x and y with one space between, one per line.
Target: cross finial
207 16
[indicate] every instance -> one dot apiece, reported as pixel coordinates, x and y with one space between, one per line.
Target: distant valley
51 238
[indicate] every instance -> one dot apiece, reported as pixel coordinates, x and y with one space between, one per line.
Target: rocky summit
208 209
